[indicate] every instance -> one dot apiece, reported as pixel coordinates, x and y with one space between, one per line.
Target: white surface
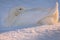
45 32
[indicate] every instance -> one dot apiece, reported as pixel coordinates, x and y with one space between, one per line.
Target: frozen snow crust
45 32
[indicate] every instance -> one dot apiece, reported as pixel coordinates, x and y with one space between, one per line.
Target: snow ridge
45 32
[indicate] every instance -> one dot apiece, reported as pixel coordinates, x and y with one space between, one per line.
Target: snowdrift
45 32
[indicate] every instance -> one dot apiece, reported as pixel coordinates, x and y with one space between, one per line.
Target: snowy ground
45 32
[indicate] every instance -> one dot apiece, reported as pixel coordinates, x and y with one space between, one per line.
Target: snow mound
45 32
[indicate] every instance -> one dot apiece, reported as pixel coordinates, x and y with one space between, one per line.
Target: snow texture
45 32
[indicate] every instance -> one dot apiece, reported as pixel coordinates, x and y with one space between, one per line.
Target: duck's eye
20 9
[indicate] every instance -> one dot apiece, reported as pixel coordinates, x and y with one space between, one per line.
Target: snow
44 32
25 26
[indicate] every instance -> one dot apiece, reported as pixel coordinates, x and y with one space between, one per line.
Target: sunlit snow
45 32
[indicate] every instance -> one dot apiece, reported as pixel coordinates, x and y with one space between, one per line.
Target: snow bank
45 32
